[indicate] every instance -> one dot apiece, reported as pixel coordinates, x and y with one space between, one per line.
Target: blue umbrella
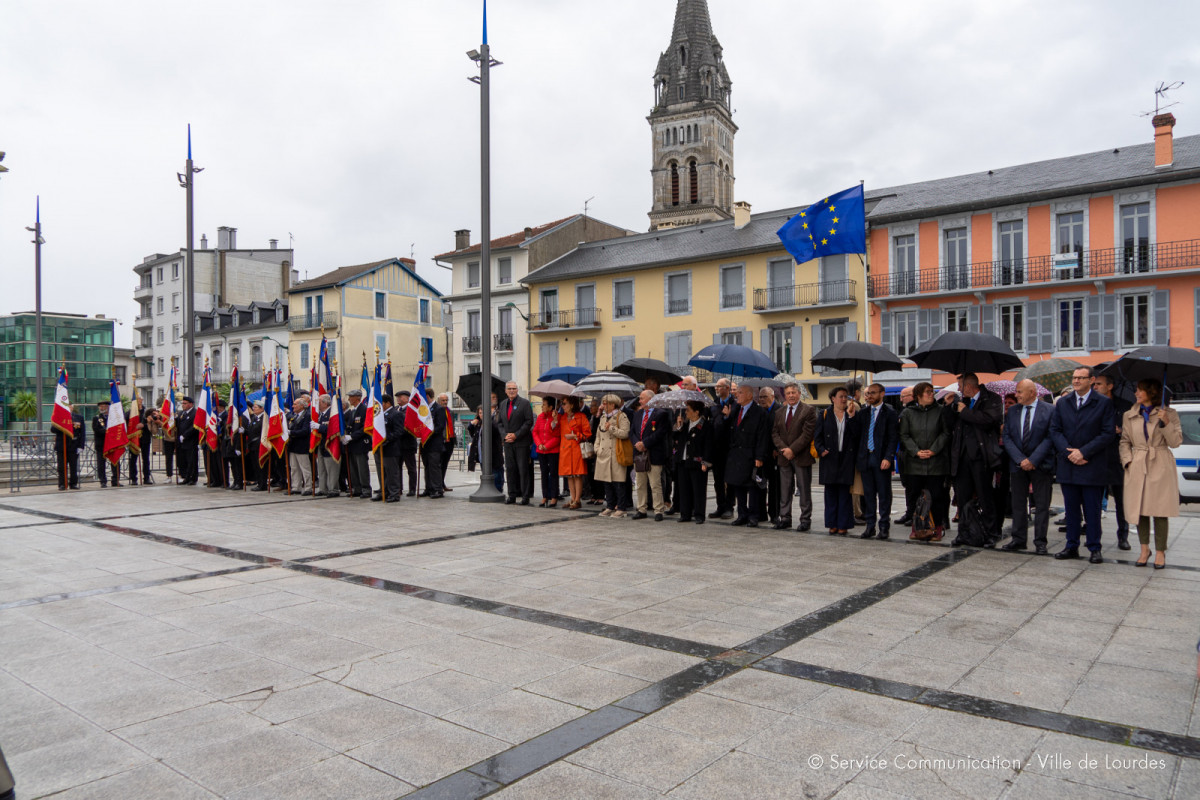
571 375
734 359
254 397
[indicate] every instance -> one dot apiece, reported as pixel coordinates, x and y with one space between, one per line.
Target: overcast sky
351 126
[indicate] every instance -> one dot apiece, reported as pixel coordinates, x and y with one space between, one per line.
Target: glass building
84 343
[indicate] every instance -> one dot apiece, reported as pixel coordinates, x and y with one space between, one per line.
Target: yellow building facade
668 293
359 308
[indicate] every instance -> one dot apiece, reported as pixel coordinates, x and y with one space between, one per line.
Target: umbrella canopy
471 393
678 399
1053 373
758 383
734 359
641 368
1010 387
599 384
555 389
1166 364
856 356
571 375
960 352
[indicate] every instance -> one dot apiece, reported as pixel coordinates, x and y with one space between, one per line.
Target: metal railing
623 312
33 461
553 320
679 306
1109 262
806 294
307 322
471 344
502 342
732 300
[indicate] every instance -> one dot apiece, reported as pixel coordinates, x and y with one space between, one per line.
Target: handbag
624 452
641 462
587 449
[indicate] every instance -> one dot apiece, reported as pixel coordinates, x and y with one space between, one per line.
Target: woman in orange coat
575 430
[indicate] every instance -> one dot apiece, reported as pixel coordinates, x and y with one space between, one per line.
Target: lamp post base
487 492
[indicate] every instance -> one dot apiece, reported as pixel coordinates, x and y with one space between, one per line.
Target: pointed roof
343 275
511 240
693 59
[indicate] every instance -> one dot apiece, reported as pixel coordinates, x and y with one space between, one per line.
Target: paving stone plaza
178 642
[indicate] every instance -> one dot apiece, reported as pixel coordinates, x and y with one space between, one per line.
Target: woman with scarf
1148 432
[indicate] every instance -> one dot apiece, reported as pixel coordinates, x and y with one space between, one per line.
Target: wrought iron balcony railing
502 342
806 294
307 322
472 344
555 320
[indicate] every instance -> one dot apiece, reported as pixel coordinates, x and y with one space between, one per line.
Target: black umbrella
960 352
1166 364
857 356
469 390
641 368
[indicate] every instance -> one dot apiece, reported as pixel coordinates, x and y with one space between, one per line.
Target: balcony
1083 266
308 322
142 291
144 382
732 300
679 306
561 320
472 344
143 350
806 295
502 342
141 323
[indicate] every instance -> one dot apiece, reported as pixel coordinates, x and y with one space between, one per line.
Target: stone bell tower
691 125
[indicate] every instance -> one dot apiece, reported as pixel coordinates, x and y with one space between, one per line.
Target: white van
1187 457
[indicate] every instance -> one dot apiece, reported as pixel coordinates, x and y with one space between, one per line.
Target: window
623 349
474 324
160 306
503 271
303 355
1070 324
547 356
175 271
162 367
331 350
256 358
548 308
308 312
679 348
679 293
835 279
475 369
904 324
381 345
158 271
1012 252
1135 320
832 333
733 287
585 354
504 323
585 304
904 262
693 183
380 305
674 183
175 301
623 300
1012 325
1070 242
234 356
956 319
161 337
174 333
426 350
424 311
216 360
473 275
957 271
504 370
1135 238
732 337
781 348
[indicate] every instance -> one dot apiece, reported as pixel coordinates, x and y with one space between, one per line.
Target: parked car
1187 457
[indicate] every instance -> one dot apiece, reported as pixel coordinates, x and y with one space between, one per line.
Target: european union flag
834 225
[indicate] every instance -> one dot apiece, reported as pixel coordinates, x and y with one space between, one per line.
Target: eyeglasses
1080 378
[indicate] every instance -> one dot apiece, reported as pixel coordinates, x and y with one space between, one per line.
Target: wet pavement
171 641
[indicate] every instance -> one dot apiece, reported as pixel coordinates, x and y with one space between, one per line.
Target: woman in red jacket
546 438
575 430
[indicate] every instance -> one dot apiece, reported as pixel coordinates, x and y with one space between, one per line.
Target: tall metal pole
37 310
189 279
486 493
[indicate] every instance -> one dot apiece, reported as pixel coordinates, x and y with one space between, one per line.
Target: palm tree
24 406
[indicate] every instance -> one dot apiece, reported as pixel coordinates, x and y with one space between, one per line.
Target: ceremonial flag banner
375 421
115 435
264 437
387 378
60 417
208 411
168 406
835 225
278 422
237 402
314 413
131 427
333 430
417 419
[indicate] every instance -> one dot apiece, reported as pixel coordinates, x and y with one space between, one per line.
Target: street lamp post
186 180
38 241
486 493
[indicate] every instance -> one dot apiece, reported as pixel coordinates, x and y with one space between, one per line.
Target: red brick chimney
1163 139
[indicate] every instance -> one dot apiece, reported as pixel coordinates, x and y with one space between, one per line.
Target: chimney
274 244
1164 142
741 215
226 238
528 233
203 241
462 239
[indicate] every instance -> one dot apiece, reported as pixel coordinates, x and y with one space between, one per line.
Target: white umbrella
599 384
678 399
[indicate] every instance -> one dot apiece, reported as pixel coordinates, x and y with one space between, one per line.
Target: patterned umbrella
678 399
1053 373
599 384
1003 388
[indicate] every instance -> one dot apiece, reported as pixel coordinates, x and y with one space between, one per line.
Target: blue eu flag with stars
834 225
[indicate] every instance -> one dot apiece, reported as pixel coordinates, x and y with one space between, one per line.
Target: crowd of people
991 457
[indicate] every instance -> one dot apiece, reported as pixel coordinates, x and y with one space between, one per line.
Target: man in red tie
516 426
749 448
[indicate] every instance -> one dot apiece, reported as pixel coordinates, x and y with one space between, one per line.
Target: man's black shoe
393 500
1041 550
1123 544
883 536
725 515
740 521
684 519
869 533
237 487
377 497
752 523
781 525
305 493
257 489
640 515
1095 558
524 501
436 496
804 527
905 520
1067 552
412 493
508 501
1013 547
658 517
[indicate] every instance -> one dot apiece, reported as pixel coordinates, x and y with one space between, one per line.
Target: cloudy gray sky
351 125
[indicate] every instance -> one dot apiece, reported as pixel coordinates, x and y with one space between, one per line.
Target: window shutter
1162 317
922 327
764 337
716 338
1032 326
1093 322
885 331
987 323
1108 322
816 339
1197 308
851 331
798 348
1046 325
973 318
935 324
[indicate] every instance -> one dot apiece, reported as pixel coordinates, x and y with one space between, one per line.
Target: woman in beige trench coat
1148 432
612 425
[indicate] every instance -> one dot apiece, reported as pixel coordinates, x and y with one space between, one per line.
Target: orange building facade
1084 257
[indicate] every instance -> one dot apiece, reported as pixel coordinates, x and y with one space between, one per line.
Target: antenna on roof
1160 96
585 204
412 248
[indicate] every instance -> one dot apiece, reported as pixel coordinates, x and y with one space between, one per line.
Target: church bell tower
691 125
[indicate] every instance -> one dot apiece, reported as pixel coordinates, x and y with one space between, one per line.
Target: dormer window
682 56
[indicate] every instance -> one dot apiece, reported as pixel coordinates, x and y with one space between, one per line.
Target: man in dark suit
1031 464
449 438
253 440
387 457
650 432
720 444
1083 428
975 451
749 430
877 445
189 440
515 416
407 457
99 428
66 450
1116 473
357 443
431 452
768 501
792 434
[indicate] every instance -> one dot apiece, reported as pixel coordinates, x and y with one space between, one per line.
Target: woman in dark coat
836 440
694 452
